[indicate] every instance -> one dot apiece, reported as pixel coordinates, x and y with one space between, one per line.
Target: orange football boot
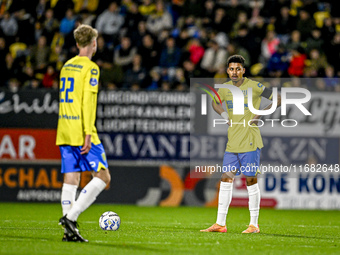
251 229
215 228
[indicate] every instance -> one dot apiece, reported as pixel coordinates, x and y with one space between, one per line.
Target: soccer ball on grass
109 221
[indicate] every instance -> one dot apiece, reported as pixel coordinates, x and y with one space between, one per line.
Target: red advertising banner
32 144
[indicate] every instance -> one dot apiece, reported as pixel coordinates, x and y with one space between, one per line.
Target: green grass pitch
33 229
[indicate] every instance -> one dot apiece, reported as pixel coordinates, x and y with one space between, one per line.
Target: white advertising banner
319 189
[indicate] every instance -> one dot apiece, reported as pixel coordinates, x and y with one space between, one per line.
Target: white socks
224 199
68 196
254 203
87 196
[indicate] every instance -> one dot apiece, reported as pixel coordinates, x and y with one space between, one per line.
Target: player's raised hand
87 145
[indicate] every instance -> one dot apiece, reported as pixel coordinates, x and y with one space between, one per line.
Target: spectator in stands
103 54
180 81
279 62
247 40
208 13
88 5
193 8
170 59
284 24
138 34
330 80
220 21
31 84
13 85
132 18
147 8
190 71
11 69
38 30
67 23
295 40
328 29
150 52
319 85
213 58
49 77
3 53
26 75
87 17
196 51
61 8
332 50
40 55
57 56
297 63
136 74
155 80
259 31
181 41
256 6
111 76
41 8
160 20
221 73
25 27
165 85
125 6
51 25
316 64
124 53
220 37
234 49
164 35
109 23
190 26
231 14
269 46
9 26
305 24
314 41
242 21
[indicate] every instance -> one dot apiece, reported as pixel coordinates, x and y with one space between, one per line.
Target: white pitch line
158 243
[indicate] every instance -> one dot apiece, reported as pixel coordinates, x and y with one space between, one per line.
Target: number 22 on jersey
70 87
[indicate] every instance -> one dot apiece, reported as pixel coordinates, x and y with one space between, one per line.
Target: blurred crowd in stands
160 45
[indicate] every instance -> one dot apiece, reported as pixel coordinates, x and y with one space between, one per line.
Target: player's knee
104 175
108 176
227 177
251 181
72 178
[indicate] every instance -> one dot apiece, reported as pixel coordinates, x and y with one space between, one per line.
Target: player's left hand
87 145
255 120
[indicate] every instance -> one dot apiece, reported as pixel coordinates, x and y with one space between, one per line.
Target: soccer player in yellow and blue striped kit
244 145
80 147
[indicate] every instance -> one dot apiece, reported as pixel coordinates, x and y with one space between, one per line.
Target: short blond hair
84 35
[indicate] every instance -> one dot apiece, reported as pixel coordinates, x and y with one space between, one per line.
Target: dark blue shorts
247 163
73 161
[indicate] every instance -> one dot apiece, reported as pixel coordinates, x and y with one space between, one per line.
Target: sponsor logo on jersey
93 81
